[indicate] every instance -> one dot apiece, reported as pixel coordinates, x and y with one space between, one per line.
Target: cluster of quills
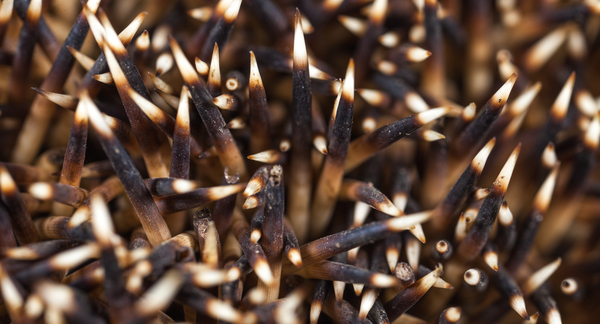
279 161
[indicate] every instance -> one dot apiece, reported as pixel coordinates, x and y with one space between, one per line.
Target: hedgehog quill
245 161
